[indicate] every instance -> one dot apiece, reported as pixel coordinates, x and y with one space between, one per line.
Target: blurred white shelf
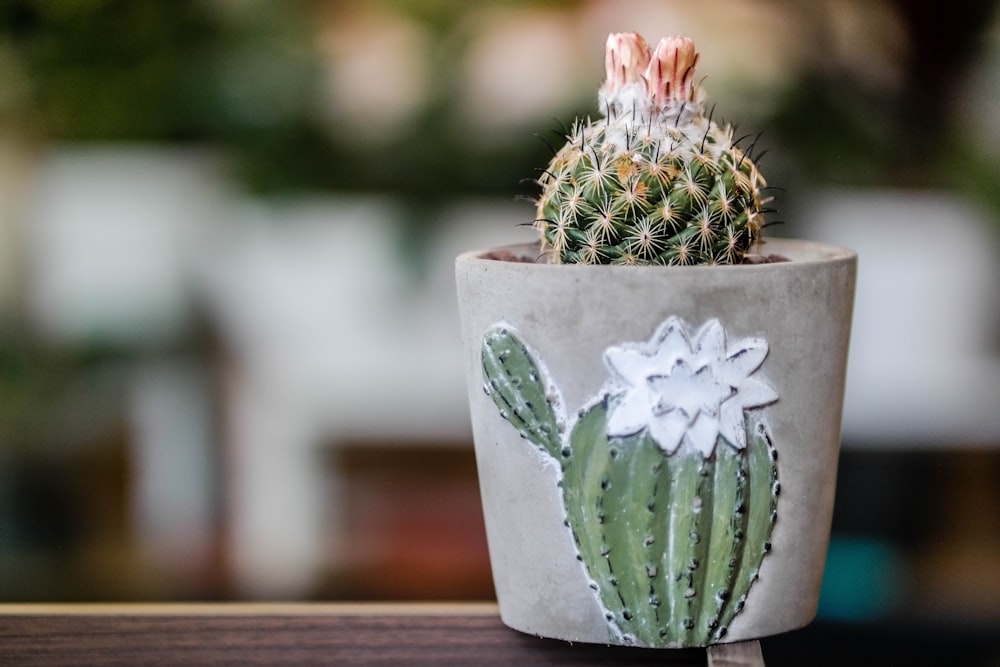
334 340
924 368
106 233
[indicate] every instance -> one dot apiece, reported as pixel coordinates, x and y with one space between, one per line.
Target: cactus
653 181
671 534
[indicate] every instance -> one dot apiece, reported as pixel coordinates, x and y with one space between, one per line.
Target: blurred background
229 363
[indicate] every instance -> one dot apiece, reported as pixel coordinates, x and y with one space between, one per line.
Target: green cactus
672 543
653 181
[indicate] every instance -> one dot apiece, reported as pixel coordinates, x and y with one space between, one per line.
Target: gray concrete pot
657 446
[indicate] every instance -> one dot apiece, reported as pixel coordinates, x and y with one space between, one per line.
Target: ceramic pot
657 446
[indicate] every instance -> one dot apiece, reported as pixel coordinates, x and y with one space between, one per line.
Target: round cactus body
653 181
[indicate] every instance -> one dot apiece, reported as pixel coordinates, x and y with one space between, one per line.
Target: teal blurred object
863 580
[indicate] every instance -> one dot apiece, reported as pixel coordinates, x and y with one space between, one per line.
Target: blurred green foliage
111 69
831 129
243 76
159 70
247 76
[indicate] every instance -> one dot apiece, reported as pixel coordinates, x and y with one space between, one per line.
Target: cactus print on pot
668 475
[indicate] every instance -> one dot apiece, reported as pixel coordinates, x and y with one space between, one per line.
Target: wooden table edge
344 633
251 609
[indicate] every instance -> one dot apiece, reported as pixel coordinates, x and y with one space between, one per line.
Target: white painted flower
684 389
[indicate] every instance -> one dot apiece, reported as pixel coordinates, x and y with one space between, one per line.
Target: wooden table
397 635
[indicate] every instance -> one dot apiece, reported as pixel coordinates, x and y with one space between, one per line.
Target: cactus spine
671 542
653 181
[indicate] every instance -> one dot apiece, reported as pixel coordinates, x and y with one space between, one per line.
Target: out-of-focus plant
245 76
107 69
842 123
236 75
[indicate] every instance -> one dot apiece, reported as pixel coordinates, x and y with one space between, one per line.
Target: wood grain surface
409 635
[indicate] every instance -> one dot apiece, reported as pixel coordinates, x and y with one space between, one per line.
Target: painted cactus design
669 477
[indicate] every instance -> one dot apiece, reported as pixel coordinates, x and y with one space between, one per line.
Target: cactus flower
626 57
670 72
645 83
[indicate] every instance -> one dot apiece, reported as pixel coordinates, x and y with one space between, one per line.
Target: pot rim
798 252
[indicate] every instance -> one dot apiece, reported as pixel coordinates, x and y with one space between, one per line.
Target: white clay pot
657 446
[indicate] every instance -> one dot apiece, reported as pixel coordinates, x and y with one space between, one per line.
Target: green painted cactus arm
517 386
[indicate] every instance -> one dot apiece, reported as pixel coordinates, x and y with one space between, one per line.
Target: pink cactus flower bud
670 71
626 58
